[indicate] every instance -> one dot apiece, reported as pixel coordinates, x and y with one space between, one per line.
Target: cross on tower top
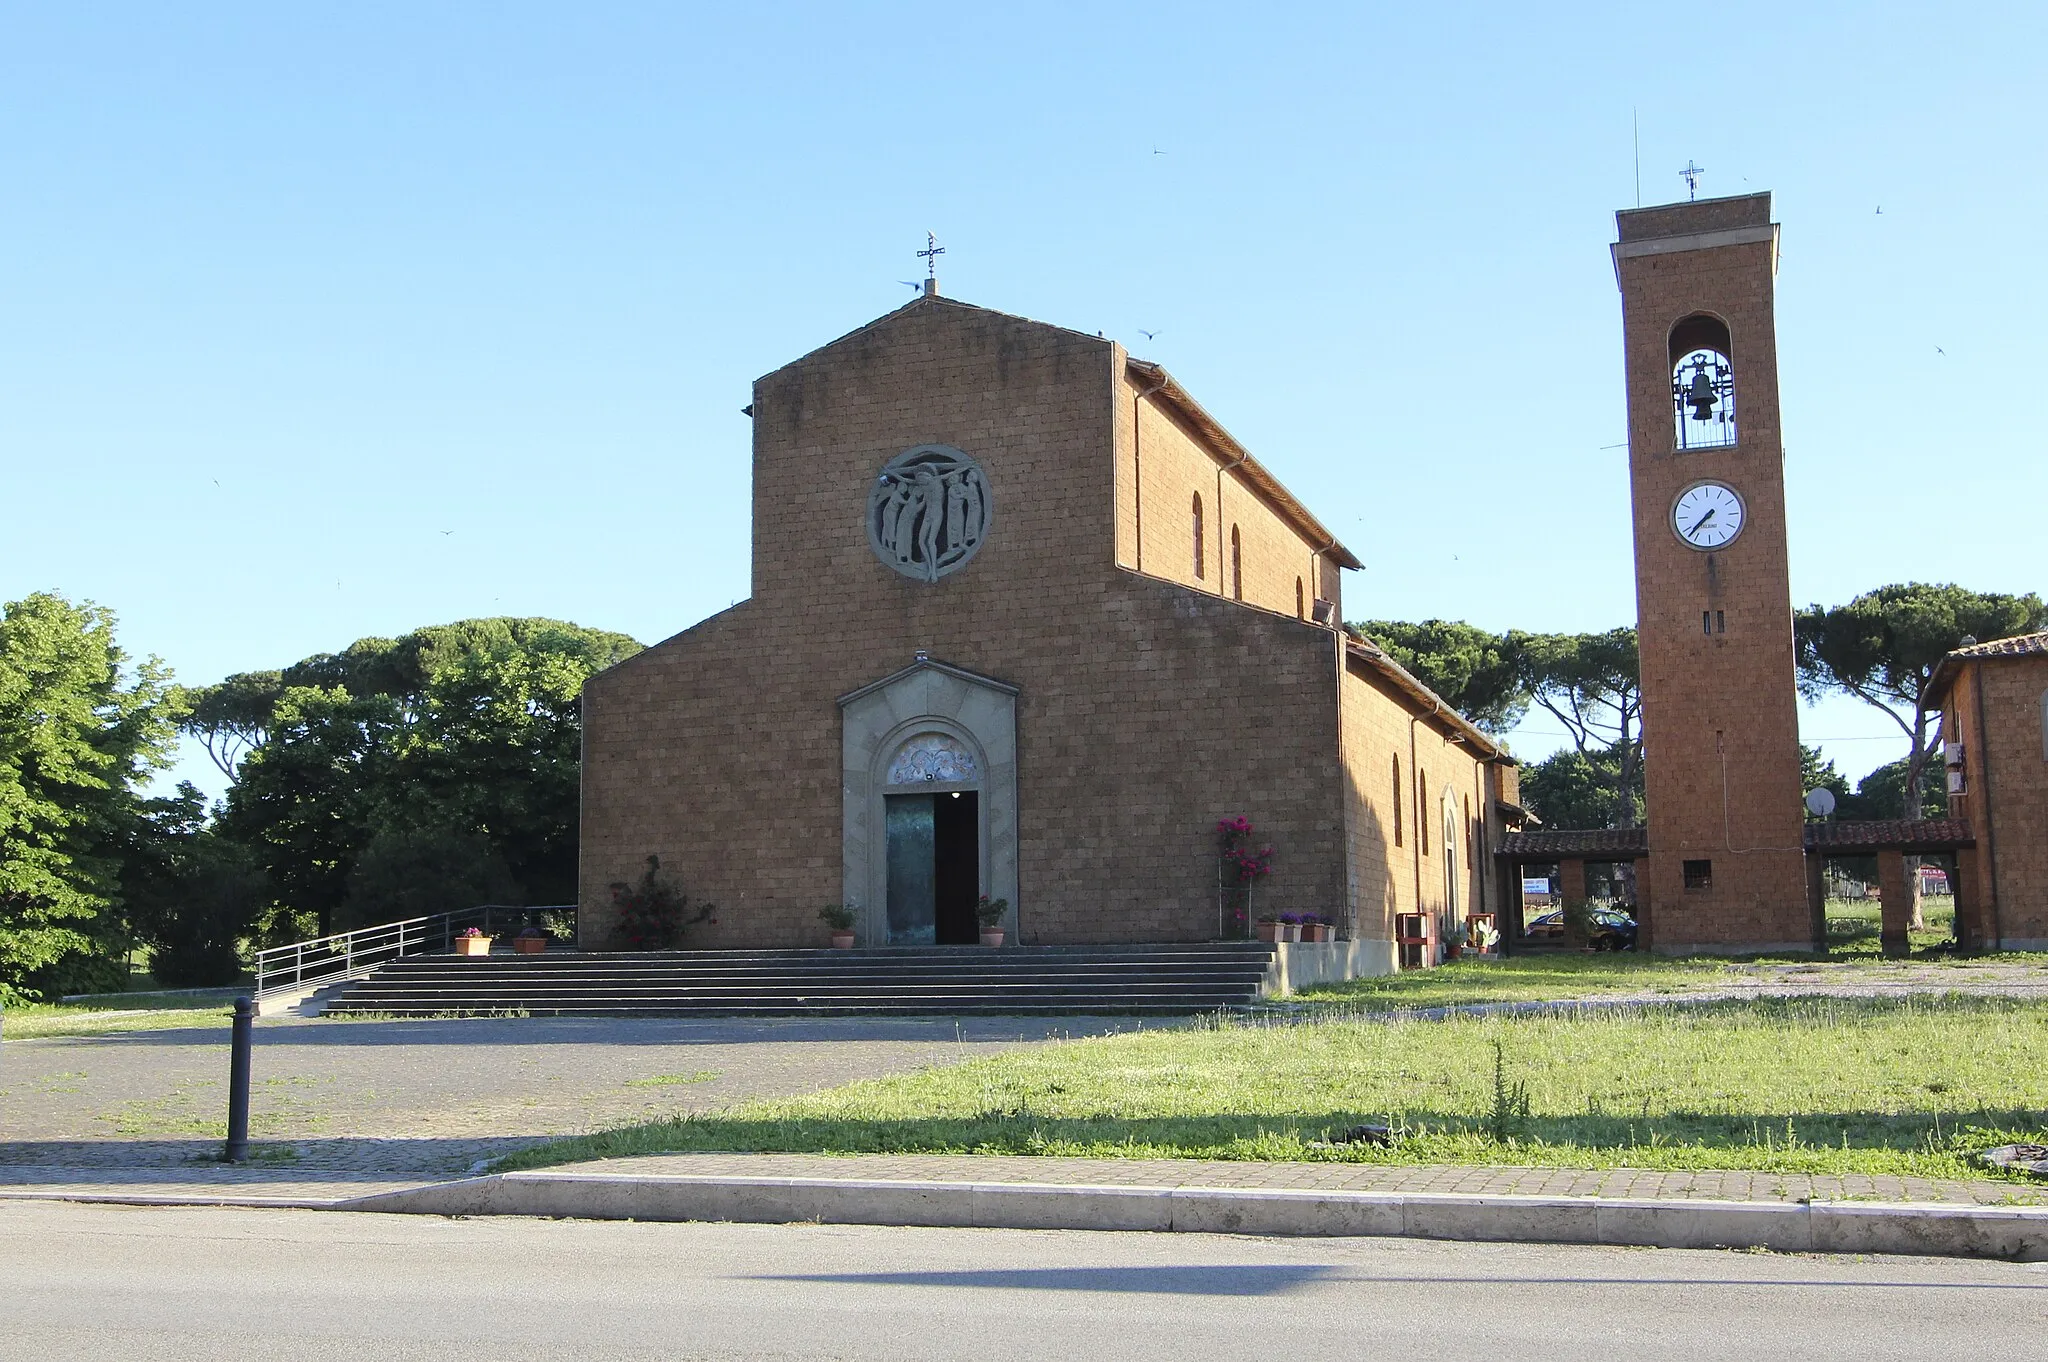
930 255
1692 175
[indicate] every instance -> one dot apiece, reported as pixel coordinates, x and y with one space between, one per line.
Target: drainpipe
1990 837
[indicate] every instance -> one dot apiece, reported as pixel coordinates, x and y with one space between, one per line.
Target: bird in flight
1148 335
1939 351
910 283
1157 152
447 532
1880 208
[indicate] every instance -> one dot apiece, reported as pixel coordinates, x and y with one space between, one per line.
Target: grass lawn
1910 1087
117 1012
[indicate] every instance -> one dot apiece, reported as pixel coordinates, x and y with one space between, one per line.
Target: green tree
1883 646
1478 673
471 728
1592 684
1574 789
79 732
192 896
408 872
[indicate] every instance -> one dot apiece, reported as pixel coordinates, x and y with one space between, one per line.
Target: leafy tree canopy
1882 647
79 731
1475 671
1574 789
473 727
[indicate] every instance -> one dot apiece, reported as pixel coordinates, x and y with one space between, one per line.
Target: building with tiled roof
1993 698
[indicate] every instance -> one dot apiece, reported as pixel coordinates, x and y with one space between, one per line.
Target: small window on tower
1720 621
1702 384
1699 874
1706 622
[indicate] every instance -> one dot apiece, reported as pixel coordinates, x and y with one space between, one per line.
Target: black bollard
238 1082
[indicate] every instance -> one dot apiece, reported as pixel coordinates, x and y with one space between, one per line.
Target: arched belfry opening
1702 384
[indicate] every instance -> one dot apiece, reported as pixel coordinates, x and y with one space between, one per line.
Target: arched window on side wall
1702 384
1236 566
1451 859
1300 601
2044 725
1422 809
1471 836
1201 567
1398 794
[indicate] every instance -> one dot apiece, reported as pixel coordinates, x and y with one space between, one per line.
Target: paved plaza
358 1106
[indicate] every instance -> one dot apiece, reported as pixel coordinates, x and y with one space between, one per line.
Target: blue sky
322 321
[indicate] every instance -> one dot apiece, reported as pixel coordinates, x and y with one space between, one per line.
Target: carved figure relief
928 511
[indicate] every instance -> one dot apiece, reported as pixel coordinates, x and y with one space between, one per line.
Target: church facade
1026 623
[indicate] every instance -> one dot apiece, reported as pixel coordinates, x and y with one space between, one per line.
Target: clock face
1707 515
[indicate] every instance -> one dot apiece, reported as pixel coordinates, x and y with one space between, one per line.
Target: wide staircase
954 980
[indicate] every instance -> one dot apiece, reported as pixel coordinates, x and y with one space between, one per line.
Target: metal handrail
331 959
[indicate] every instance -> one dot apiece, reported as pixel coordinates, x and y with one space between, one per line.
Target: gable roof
1946 670
1427 702
1162 385
1159 384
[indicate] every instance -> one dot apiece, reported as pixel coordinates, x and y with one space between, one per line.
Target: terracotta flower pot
991 936
842 941
1290 931
1315 931
1269 931
472 945
529 945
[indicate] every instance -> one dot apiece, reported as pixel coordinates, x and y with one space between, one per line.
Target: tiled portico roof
1864 837
1578 844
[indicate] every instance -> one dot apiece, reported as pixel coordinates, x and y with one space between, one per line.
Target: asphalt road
172 1284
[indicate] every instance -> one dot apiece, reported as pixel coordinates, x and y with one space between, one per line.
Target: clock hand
1702 523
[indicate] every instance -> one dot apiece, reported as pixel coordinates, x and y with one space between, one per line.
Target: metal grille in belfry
1703 400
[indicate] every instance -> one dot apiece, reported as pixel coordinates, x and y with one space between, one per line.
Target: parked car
1611 929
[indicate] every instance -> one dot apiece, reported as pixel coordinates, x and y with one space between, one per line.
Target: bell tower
1726 869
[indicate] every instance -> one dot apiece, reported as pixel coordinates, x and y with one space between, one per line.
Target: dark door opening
934 866
956 866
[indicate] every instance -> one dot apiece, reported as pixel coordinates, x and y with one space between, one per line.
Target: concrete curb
2014 1233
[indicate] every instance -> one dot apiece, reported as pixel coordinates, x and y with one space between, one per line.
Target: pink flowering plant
1240 866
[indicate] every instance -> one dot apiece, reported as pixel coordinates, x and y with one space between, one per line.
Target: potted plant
1455 936
1269 928
840 918
989 912
1290 927
472 941
1485 936
531 941
1314 928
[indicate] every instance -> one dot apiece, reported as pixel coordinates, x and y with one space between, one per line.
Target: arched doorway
929 772
931 799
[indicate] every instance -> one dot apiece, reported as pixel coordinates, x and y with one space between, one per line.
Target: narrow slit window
1300 601
1397 801
1720 621
1236 566
1201 568
1706 621
1421 803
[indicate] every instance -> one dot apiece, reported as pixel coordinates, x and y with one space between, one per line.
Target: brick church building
1026 622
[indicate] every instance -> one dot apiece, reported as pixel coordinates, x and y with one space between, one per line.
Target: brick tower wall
1720 710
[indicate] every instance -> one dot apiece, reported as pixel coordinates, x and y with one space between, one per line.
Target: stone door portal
930 787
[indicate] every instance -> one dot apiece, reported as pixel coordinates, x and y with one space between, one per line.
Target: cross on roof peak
930 255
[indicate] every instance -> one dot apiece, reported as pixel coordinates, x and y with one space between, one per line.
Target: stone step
1182 979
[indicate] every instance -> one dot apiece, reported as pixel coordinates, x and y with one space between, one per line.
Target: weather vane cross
1692 175
930 255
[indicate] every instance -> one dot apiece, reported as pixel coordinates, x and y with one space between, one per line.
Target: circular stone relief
928 511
